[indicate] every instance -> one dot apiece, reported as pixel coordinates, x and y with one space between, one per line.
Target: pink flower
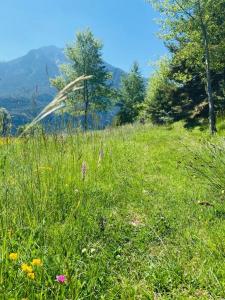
61 278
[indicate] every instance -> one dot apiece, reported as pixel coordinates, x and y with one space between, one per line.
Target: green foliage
181 94
181 29
33 131
177 92
208 164
115 211
132 95
86 59
5 122
159 104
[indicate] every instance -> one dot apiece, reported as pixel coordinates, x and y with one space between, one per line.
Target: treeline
188 85
97 94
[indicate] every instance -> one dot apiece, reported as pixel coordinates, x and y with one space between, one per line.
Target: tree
159 105
85 58
5 122
132 94
194 29
177 92
191 91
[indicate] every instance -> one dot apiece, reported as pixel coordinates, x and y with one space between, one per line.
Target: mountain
24 82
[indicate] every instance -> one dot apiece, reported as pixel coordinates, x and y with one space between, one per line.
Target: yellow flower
45 168
31 275
26 268
13 256
37 262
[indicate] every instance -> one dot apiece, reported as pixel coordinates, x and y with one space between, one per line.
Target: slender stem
212 115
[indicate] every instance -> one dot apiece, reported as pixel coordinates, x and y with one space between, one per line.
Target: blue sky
126 27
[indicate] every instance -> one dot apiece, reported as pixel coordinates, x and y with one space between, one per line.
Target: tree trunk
86 103
212 114
86 116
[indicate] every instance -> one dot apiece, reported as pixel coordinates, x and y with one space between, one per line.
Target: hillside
24 82
119 213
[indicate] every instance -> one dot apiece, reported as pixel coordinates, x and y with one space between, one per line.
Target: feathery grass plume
59 101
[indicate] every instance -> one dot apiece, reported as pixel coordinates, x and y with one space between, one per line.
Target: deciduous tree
85 58
194 29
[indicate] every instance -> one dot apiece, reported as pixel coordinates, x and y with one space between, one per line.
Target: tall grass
114 211
209 163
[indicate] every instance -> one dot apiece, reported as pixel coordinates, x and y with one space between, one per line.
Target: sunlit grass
115 212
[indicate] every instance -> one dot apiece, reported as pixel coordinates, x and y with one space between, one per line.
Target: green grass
133 228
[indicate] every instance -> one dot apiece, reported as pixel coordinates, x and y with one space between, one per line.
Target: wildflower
222 191
136 222
37 262
26 268
61 278
92 250
45 168
84 250
31 275
13 256
83 170
10 233
100 157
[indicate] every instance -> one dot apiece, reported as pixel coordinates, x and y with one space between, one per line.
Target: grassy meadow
130 213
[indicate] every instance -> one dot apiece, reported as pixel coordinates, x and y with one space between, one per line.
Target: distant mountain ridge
24 82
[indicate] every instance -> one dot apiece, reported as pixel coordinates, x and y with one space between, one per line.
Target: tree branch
184 10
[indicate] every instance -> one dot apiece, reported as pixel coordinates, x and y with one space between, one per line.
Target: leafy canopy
132 94
85 58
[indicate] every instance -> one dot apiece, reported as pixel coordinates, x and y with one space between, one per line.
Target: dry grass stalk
59 101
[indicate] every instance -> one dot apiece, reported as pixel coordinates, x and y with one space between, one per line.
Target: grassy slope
131 230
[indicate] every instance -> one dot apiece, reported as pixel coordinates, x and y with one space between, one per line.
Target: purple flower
84 170
61 278
101 156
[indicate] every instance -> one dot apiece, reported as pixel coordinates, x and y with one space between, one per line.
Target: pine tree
132 94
